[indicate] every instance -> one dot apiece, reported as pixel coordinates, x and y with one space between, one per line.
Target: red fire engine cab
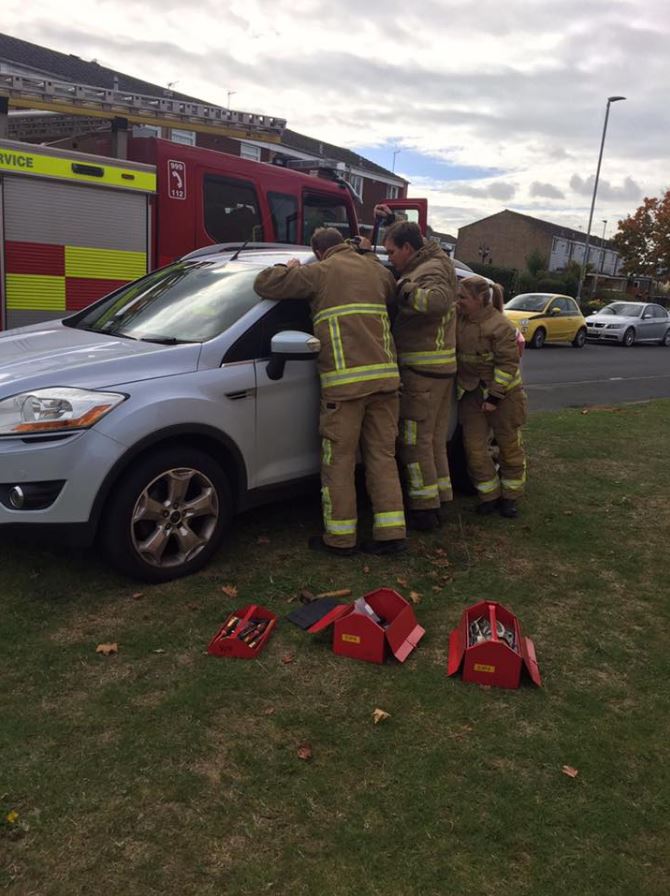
76 226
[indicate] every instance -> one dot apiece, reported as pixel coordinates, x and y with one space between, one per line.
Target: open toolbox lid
403 632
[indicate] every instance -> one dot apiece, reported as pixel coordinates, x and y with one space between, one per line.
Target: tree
536 262
643 239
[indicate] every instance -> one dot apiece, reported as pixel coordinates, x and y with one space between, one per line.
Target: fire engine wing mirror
290 345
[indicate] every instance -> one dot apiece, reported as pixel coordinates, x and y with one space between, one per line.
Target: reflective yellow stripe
336 342
428 491
32 163
104 264
448 356
40 292
409 432
501 377
515 382
513 484
439 339
341 527
460 392
419 299
415 475
359 374
389 520
388 343
444 483
355 308
326 451
487 487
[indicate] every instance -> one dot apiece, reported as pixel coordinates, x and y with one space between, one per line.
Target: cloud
629 190
496 190
547 190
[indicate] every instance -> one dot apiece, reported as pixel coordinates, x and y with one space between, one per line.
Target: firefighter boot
508 508
486 508
383 548
423 520
316 543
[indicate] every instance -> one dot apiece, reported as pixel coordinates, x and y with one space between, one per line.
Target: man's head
323 239
402 241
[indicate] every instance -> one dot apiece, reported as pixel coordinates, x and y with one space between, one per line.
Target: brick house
507 238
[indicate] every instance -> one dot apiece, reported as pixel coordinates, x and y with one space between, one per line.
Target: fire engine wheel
167 515
539 338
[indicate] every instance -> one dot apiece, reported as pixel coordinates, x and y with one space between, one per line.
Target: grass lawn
164 770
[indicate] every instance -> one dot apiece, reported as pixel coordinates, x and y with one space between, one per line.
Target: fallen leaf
229 590
262 539
584 411
366 569
159 650
403 582
138 595
567 513
288 658
379 715
436 588
415 597
269 711
305 752
107 649
569 771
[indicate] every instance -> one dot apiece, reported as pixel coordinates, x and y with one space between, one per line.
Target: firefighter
349 292
425 335
491 396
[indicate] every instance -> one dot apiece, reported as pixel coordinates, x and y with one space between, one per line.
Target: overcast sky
494 104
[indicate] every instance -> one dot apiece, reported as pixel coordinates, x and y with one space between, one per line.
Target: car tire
666 338
167 515
538 339
628 337
580 338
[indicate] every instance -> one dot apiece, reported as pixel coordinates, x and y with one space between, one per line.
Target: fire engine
74 226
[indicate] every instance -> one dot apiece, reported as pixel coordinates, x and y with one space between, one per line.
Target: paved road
560 376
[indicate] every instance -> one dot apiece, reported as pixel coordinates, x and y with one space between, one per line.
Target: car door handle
243 393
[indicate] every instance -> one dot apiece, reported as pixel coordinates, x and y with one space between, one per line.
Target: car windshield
527 302
625 309
190 301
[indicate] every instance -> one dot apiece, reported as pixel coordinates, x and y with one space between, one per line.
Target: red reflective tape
34 258
82 291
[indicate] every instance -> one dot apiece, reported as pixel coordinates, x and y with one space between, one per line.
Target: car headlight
54 410
614 326
523 323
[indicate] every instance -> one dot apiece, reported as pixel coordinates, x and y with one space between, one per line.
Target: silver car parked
151 417
629 322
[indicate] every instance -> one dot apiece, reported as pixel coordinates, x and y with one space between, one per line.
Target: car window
320 210
658 311
626 309
572 306
231 210
289 314
185 302
527 302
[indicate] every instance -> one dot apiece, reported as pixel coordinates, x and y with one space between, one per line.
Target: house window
146 130
250 152
392 192
185 137
356 181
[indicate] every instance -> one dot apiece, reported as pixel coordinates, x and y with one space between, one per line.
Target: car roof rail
238 246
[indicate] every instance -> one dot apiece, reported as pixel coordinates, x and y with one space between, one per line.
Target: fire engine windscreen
186 302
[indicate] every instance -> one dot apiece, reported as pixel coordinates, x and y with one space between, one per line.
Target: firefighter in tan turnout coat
425 335
491 396
349 293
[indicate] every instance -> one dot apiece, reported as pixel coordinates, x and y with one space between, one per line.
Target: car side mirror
290 345
555 311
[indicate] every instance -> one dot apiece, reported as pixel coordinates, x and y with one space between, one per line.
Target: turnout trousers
506 422
425 409
372 422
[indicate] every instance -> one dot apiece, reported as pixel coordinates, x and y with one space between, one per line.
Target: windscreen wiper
166 340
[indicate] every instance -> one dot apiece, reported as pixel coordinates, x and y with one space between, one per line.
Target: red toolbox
488 646
370 636
244 633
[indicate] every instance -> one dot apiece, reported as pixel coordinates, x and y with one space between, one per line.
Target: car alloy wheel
167 514
174 517
580 339
629 337
539 337
666 339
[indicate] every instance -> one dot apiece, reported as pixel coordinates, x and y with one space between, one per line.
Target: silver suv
151 417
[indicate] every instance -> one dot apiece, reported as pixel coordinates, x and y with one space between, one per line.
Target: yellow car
547 317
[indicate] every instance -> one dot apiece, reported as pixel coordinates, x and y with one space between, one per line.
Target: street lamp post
230 93
602 259
395 153
585 261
